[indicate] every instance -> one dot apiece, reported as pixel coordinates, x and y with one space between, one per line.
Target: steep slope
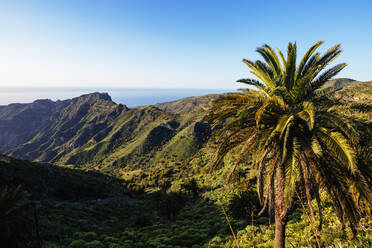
55 182
92 131
21 122
69 127
77 208
160 152
357 93
188 104
128 138
339 83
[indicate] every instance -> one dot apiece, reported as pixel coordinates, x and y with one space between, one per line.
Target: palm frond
316 147
325 76
260 86
229 143
292 173
328 57
261 73
290 70
272 61
308 114
286 127
339 147
305 59
339 123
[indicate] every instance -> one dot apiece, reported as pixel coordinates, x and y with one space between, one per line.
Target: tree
294 141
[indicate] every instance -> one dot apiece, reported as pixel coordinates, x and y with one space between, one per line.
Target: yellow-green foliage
80 208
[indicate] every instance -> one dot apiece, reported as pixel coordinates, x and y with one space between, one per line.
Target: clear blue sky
175 43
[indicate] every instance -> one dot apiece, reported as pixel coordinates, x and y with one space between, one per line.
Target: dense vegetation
156 193
296 142
91 131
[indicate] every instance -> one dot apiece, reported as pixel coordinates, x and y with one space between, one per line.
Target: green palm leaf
293 141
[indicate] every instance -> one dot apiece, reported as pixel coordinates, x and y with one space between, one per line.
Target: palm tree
294 142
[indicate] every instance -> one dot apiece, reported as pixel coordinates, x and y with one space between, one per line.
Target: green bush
95 244
171 203
50 245
114 245
244 205
87 236
109 239
77 243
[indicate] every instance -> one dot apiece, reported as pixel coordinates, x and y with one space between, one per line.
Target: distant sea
131 97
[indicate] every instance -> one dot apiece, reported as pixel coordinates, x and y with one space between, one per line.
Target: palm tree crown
293 141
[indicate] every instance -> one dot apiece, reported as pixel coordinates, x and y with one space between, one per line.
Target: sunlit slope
93 132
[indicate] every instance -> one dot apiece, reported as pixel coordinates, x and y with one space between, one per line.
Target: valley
105 175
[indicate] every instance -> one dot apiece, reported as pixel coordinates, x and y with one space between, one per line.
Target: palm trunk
279 232
280 208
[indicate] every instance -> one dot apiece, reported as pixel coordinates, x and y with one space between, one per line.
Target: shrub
50 245
87 236
109 239
114 245
95 244
77 243
142 220
171 203
191 186
243 205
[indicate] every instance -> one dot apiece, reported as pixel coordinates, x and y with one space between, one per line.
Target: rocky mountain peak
94 96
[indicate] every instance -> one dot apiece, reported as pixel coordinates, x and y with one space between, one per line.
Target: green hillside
92 131
110 176
339 83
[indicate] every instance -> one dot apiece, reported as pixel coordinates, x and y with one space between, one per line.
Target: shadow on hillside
86 206
46 181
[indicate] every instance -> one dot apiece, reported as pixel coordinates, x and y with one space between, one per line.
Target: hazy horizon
131 97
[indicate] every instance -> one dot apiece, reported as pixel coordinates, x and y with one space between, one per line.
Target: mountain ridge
93 132
145 171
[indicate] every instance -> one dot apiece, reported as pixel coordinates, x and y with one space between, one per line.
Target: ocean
131 97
